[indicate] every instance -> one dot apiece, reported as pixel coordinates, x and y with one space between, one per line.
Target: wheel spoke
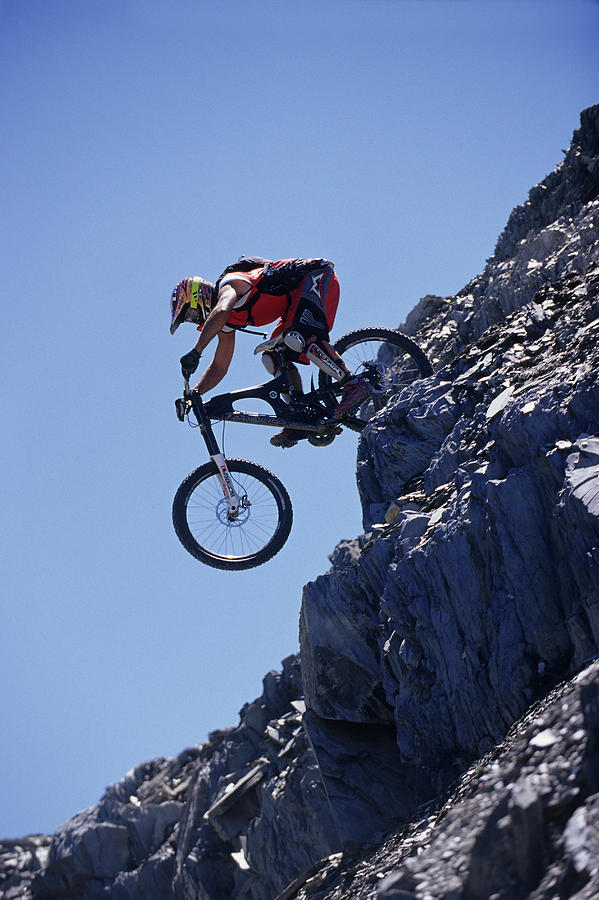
250 532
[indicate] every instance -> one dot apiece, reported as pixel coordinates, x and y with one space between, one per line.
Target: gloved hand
190 362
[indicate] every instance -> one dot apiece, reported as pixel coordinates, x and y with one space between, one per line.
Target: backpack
278 278
243 264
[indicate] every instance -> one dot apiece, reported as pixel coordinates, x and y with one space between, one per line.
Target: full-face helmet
191 301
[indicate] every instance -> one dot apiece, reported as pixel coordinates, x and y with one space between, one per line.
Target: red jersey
257 308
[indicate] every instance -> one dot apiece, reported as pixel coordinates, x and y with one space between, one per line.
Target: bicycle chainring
323 440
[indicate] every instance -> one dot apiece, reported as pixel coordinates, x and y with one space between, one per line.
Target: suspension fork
224 476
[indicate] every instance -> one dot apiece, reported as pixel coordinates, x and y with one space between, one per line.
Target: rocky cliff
438 736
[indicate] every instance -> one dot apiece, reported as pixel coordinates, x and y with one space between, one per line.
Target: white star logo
316 279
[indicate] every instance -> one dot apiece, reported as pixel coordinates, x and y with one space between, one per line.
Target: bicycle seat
268 345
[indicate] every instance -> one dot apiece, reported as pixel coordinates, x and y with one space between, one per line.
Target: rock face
523 822
486 580
377 762
482 586
20 862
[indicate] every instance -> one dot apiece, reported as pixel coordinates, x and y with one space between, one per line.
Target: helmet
191 301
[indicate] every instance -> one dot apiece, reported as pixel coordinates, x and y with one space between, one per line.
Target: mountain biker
303 314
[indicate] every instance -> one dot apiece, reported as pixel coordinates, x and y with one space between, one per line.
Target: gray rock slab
368 787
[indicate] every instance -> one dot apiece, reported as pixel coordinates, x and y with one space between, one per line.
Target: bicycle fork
234 502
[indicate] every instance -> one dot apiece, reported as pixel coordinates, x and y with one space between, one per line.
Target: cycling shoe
288 437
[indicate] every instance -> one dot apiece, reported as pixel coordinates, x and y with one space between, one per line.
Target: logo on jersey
307 318
316 279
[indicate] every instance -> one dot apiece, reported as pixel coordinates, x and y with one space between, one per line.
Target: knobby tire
200 520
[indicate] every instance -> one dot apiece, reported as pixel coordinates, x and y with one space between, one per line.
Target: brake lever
181 408
183 404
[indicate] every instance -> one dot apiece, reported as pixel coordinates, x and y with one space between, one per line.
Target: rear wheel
388 358
259 530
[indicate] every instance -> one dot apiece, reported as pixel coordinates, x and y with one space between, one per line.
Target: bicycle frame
316 419
281 396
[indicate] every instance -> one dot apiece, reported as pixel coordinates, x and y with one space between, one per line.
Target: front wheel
389 359
204 527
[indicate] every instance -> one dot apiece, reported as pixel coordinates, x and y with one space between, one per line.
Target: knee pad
270 363
321 359
295 341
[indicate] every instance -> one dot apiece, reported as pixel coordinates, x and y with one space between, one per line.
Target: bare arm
218 368
227 298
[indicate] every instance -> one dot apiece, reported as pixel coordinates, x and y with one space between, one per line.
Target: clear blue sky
144 141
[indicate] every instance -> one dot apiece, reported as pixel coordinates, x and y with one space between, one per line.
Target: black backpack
278 278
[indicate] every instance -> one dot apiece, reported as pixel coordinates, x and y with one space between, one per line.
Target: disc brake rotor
222 513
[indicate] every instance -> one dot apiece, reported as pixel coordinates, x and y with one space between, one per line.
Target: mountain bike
234 514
